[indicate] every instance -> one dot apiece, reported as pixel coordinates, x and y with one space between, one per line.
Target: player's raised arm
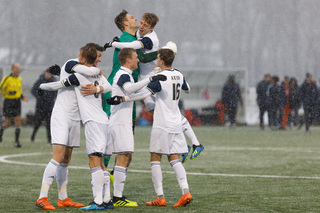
124 82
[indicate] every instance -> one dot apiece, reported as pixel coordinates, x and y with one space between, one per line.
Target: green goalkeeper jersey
125 37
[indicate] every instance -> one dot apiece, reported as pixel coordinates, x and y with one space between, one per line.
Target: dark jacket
45 99
308 94
231 94
262 92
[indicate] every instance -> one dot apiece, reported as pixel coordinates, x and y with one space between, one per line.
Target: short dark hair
167 55
89 52
120 18
124 54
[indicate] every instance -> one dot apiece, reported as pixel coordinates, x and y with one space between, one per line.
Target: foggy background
275 36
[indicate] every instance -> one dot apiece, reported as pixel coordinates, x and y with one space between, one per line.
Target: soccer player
121 131
127 24
147 41
167 136
65 129
11 89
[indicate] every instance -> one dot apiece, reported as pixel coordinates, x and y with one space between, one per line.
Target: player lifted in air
148 42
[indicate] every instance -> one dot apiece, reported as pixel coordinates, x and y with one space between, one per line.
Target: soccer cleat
157 202
108 205
93 206
184 200
68 203
196 151
123 202
43 203
185 156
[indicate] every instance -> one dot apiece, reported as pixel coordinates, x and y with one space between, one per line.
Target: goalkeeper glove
115 100
109 44
159 77
54 69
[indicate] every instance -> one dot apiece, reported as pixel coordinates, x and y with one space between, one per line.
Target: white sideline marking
4 158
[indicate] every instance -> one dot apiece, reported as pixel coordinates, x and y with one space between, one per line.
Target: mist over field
280 37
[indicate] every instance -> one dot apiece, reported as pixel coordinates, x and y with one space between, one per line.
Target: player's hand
109 44
54 69
88 89
159 77
115 100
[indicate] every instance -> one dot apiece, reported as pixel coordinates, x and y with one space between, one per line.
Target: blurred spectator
145 117
11 89
44 104
308 94
231 95
286 102
262 97
276 95
294 102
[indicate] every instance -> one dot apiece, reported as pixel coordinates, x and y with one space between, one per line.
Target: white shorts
64 131
96 137
121 139
166 143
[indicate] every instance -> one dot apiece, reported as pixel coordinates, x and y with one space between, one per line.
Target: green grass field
240 170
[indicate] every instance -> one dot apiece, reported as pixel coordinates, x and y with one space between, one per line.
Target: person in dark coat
294 102
262 97
44 104
276 101
308 94
231 96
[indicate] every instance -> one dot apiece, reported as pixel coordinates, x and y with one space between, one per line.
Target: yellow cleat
123 202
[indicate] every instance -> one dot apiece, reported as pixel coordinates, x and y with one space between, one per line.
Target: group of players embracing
141 71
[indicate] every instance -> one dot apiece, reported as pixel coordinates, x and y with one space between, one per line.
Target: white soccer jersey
66 98
167 115
122 113
66 101
146 69
90 106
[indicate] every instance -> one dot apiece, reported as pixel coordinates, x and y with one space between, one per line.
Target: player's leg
37 123
188 131
48 124
17 123
120 175
6 123
48 176
157 181
182 180
121 140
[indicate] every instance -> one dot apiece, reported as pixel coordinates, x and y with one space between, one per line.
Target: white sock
48 176
106 187
157 178
181 175
187 130
97 182
62 180
120 174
